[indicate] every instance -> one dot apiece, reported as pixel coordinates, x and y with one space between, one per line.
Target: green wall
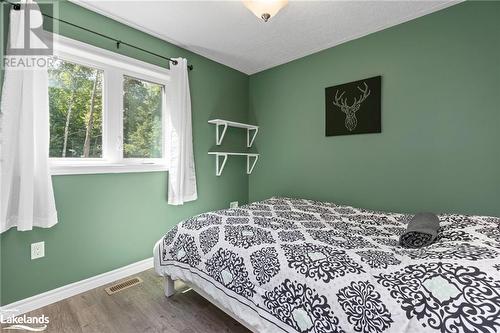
440 145
111 220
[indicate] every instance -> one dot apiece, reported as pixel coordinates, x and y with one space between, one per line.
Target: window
107 112
142 119
75 103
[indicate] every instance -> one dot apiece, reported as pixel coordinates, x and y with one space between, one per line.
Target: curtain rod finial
15 5
175 62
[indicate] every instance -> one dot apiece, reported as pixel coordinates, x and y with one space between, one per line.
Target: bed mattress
297 265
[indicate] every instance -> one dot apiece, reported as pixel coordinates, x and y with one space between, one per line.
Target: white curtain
181 170
27 198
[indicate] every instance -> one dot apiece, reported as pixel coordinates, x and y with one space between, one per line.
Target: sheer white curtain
181 170
27 198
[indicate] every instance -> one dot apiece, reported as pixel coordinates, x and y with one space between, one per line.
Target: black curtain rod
17 6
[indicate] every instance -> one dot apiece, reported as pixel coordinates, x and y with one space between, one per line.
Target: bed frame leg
169 286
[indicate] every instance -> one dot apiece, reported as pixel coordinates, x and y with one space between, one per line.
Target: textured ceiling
227 32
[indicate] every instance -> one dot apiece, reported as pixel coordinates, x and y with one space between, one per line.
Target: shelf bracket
220 136
218 167
250 141
250 167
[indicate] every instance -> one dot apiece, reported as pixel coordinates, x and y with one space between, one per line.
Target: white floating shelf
251 130
220 167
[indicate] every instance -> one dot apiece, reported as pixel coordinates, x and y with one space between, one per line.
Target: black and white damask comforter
298 265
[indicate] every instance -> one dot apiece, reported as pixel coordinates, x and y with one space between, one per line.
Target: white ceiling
227 32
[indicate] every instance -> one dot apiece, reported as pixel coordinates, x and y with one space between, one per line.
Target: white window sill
57 169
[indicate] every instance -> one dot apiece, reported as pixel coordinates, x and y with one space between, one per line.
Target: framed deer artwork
354 107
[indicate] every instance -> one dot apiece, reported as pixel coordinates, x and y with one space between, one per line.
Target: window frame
115 67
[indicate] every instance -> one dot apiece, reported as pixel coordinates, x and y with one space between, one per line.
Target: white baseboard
55 295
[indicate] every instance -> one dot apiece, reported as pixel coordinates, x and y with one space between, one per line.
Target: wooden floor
142 308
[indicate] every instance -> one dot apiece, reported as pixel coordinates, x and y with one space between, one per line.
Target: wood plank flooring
142 308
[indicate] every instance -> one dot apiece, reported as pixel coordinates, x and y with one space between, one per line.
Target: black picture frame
354 107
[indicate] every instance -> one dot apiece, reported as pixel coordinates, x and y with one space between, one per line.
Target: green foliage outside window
75 101
142 125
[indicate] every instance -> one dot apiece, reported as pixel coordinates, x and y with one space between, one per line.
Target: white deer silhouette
350 110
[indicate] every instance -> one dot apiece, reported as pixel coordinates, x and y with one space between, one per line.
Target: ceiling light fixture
265 9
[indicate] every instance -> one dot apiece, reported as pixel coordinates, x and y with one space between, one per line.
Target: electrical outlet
233 204
37 250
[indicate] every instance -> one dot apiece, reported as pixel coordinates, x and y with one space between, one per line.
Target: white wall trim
82 168
72 289
87 54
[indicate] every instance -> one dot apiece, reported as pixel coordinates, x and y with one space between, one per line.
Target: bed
296 265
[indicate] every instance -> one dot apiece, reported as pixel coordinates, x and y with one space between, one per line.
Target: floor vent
123 285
